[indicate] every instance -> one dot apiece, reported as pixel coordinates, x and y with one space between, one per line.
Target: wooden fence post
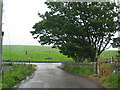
112 59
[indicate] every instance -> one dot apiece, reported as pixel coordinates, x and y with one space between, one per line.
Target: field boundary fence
80 64
105 66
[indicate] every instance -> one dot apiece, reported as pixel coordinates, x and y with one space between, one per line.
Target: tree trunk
96 69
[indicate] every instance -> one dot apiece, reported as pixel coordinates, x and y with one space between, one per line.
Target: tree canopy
116 44
79 29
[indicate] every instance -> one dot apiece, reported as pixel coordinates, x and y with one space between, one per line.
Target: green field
109 53
39 53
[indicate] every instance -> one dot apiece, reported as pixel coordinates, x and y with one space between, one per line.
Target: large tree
79 29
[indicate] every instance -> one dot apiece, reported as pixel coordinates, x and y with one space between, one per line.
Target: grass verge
112 81
82 71
15 74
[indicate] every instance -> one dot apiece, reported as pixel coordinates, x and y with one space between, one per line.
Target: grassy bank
82 71
15 74
112 81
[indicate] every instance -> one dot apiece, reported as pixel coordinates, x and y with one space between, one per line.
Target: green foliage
116 44
0 83
79 29
38 54
7 64
112 81
15 75
82 71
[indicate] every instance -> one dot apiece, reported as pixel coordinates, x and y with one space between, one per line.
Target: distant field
39 53
109 53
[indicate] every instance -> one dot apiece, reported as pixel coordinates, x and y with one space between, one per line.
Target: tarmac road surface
48 75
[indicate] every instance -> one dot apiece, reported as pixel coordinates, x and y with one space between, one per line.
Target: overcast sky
19 16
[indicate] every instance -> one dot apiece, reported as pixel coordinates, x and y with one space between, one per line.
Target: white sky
19 16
